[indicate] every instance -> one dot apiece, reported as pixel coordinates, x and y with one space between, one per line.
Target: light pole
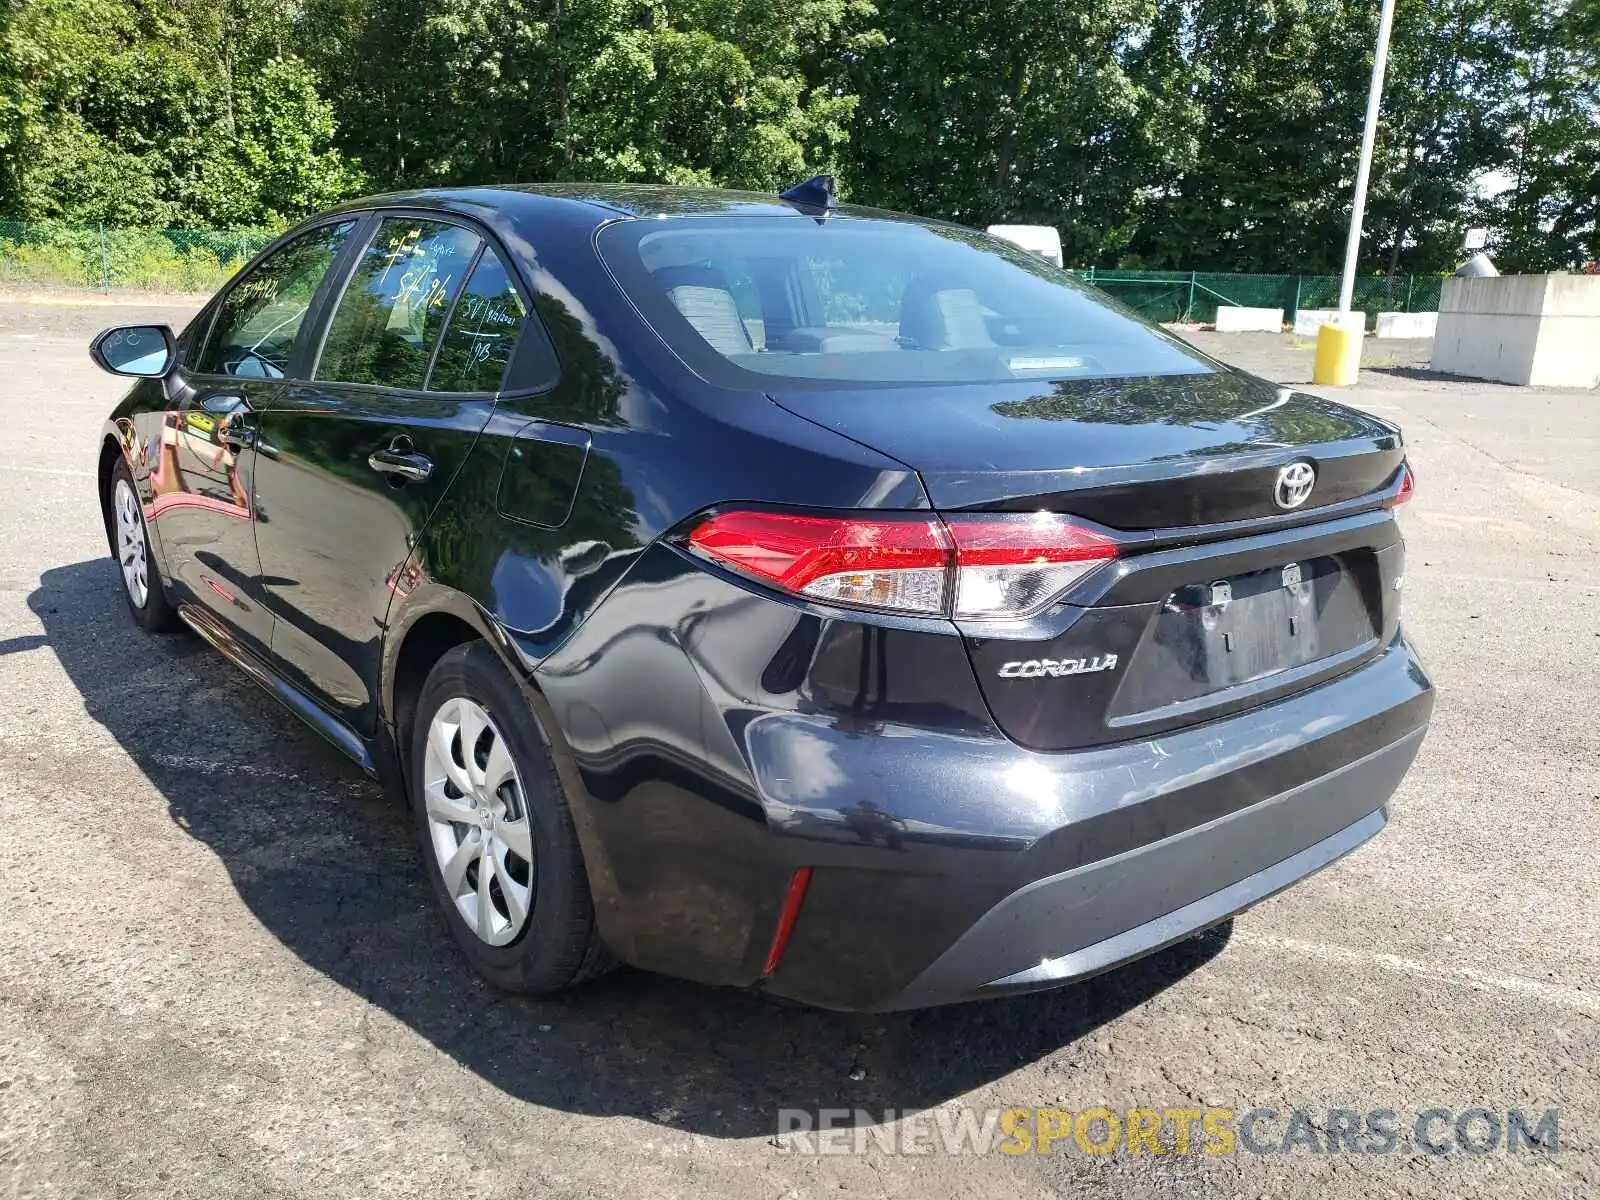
1352 247
1338 357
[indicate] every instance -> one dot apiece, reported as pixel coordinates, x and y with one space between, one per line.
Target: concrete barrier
1308 320
1233 318
1407 325
1527 329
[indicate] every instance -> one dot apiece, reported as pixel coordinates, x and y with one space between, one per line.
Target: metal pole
1188 313
105 261
1358 207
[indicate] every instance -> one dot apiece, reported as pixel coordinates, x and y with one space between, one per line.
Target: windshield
769 302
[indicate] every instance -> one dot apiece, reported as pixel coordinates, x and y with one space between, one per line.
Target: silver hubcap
131 543
478 821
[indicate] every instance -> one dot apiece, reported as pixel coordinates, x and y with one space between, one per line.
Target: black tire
154 614
558 946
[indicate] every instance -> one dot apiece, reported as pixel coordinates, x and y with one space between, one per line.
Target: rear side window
764 303
395 305
258 322
483 331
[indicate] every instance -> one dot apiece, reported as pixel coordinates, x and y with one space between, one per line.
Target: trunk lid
1141 453
1221 600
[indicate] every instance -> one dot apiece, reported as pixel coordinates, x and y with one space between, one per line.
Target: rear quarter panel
530 567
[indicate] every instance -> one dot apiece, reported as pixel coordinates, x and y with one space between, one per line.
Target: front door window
258 323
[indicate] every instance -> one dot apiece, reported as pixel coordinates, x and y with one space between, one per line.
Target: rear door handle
401 461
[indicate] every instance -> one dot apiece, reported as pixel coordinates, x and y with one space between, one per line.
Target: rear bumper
970 868
1035 924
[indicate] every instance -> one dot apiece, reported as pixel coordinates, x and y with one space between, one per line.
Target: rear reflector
793 897
991 566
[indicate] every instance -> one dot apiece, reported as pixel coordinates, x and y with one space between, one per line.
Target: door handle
401 461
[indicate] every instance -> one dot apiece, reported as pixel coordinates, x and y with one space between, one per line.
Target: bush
48 254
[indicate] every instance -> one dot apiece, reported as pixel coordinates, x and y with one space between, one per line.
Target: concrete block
1524 329
1495 295
1407 325
1308 320
1233 318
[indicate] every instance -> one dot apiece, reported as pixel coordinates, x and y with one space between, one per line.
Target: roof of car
610 200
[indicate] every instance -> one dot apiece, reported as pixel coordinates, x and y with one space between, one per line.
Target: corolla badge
1040 668
1294 485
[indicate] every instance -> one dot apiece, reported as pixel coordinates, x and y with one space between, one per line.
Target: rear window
766 303
483 331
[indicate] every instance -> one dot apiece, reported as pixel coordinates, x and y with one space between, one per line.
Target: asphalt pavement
220 974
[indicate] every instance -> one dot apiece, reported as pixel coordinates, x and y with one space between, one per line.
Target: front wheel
130 546
496 833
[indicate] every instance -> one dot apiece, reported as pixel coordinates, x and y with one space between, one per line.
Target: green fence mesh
55 254
1195 295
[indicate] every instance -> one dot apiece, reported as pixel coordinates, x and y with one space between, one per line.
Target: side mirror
143 351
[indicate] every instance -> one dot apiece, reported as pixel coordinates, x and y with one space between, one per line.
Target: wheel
130 546
496 833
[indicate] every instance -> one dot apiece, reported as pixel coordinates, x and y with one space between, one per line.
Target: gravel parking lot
220 974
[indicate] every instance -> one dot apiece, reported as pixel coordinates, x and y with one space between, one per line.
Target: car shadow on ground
1425 374
326 864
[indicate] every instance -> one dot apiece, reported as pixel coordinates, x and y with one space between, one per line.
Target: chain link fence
1196 295
56 255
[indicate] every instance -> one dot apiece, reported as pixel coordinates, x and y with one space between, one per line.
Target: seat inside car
937 316
702 295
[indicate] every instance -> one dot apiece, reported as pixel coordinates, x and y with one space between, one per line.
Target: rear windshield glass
769 302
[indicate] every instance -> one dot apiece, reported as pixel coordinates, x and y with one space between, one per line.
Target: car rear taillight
991 566
897 563
1408 485
1013 566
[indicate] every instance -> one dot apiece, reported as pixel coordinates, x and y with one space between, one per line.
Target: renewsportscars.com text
1168 1130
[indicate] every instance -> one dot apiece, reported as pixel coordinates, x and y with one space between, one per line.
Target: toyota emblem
1294 484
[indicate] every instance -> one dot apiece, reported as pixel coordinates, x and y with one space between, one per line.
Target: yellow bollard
1338 358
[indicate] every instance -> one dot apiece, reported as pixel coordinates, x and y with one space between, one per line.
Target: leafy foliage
58 253
1551 216
138 113
1042 111
701 91
1192 134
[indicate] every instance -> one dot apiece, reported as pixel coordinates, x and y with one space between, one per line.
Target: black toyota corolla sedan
773 592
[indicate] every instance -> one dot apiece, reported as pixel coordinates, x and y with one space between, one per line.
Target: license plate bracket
1213 635
1234 630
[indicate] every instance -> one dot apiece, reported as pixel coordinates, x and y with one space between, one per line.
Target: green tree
1450 104
728 92
116 111
1046 111
1281 89
1283 96
1186 134
1550 217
